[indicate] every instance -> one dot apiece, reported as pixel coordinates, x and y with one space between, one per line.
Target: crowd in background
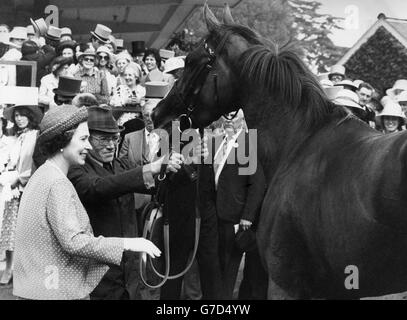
386 113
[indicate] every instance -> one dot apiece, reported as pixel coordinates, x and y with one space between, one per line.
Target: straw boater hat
347 98
391 108
336 70
40 26
173 64
53 33
60 119
119 43
102 33
34 109
66 32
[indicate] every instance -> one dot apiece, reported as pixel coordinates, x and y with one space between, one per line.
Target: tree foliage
380 61
281 21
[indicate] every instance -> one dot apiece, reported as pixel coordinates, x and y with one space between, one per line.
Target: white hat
358 82
400 84
347 83
106 50
5 38
348 98
337 69
53 33
332 92
119 43
30 30
326 83
402 97
40 26
19 33
166 54
391 108
173 64
102 33
322 76
66 32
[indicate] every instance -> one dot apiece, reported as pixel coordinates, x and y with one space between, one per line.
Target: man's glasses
106 140
89 59
103 57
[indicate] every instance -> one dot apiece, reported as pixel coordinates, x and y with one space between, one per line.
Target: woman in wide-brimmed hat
16 174
93 80
391 117
53 226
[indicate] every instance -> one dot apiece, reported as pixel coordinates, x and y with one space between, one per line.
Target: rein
157 211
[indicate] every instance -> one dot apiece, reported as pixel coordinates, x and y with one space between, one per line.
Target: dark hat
101 119
68 86
138 47
66 44
84 99
29 47
156 89
245 240
34 109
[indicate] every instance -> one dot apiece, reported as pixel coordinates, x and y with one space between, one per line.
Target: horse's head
208 87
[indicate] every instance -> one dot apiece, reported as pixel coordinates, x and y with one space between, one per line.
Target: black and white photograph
203 155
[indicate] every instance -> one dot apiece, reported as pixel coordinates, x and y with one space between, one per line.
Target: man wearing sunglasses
93 78
105 186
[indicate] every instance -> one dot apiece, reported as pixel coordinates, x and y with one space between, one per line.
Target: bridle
188 99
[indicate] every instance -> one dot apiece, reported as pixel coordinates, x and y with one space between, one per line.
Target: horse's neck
276 136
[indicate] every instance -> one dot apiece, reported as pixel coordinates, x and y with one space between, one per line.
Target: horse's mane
280 72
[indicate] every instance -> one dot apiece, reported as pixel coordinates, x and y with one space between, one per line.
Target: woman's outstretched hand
141 245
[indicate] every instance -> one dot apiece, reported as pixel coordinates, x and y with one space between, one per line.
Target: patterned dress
19 170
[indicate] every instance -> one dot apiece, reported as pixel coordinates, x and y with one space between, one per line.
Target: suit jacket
237 196
108 196
56 254
134 150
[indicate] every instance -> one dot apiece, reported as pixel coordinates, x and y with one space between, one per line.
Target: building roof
152 21
396 27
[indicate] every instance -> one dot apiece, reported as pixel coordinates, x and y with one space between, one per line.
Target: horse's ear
227 15
212 22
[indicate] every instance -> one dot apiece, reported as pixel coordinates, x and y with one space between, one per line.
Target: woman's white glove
141 245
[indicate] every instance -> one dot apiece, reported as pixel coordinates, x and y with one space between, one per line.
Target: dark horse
334 219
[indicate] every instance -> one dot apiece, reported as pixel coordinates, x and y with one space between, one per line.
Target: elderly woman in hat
93 80
16 174
57 254
391 117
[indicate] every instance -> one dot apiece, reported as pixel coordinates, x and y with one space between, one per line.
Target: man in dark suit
235 198
105 186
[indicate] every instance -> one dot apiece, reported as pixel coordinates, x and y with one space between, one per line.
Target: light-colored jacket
56 253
